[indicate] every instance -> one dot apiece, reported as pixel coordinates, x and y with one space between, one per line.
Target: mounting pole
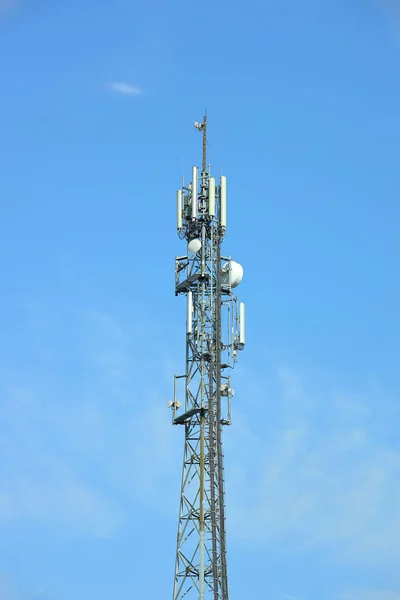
204 128
201 516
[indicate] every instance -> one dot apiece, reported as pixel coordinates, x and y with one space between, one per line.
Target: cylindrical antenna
211 197
179 209
194 193
222 199
242 330
189 317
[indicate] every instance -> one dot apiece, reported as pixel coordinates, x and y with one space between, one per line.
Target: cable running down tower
215 332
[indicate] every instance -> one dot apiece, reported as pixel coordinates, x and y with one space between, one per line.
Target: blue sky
96 109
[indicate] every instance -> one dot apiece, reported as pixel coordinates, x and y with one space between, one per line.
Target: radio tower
215 332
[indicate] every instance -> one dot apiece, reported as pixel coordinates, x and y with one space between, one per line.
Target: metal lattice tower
214 334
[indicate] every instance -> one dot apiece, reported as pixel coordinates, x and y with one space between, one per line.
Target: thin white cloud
123 88
371 595
319 471
48 489
53 441
8 590
7 6
392 10
323 476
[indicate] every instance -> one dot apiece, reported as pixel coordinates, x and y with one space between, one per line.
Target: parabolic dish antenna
232 274
194 245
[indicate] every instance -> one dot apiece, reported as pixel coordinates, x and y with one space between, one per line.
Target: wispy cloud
392 10
371 595
123 88
326 474
7 6
320 471
43 485
8 590
57 443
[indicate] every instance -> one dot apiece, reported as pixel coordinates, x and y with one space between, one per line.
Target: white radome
194 245
232 273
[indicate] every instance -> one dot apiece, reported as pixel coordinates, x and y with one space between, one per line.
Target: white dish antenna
194 245
232 273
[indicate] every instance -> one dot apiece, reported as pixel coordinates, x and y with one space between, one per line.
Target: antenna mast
203 128
207 280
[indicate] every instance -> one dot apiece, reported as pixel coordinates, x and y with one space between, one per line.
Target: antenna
203 127
203 391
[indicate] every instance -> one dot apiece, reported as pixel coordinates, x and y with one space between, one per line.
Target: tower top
203 127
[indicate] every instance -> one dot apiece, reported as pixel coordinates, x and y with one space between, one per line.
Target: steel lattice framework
206 279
